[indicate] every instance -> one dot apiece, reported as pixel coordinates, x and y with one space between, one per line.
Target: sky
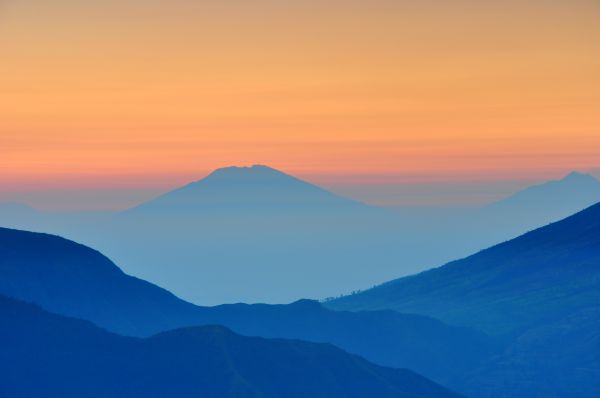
127 98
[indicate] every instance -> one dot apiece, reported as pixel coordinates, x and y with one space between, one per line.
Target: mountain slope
268 236
272 238
388 338
555 358
574 192
42 354
258 188
544 274
541 204
70 279
540 291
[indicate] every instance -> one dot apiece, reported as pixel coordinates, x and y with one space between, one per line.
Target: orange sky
145 93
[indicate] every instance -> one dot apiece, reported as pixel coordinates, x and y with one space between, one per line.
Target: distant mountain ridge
575 192
540 292
507 286
43 354
74 280
70 279
257 187
270 237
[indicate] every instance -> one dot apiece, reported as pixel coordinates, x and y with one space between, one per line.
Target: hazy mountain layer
546 273
71 279
47 355
240 189
541 292
258 235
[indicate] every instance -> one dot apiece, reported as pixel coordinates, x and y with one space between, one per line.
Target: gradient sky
150 94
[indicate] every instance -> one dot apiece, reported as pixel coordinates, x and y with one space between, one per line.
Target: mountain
575 189
256 188
555 358
268 236
42 354
553 200
425 345
73 280
540 293
537 293
272 238
546 273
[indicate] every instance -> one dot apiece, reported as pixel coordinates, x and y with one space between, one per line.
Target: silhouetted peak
254 171
253 187
572 193
577 177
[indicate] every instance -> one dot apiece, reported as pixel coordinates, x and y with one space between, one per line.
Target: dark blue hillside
542 275
70 279
46 355
541 292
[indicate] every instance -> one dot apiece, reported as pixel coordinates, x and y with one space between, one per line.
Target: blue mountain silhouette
70 279
270 237
540 292
245 188
53 356
553 200
547 272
